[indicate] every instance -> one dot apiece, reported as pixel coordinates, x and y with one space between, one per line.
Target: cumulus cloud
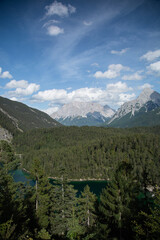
151 55
56 95
50 110
123 97
17 84
59 9
5 74
146 85
136 76
54 30
154 68
112 72
22 88
113 94
118 87
120 52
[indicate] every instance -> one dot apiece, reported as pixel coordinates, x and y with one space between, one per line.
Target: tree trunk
36 194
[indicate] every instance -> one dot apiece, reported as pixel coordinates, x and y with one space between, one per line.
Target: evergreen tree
115 202
147 225
41 195
63 200
13 217
86 208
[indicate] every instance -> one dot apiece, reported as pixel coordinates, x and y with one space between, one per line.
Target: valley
78 179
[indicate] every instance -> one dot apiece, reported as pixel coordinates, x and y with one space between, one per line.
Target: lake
95 186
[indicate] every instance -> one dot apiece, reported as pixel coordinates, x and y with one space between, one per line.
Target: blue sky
56 52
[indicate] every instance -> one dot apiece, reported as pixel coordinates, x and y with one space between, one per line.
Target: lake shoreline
72 180
80 180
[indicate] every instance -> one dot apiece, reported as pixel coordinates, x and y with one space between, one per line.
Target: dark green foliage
127 158
115 203
86 213
147 225
91 152
63 205
13 210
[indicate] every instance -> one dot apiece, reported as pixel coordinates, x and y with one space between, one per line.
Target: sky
57 52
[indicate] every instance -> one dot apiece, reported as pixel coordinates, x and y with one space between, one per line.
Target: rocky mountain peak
76 109
147 95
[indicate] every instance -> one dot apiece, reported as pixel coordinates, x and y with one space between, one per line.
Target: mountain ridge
18 117
147 95
142 107
137 112
83 113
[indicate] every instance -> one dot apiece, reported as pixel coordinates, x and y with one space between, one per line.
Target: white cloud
17 84
5 74
125 98
23 88
14 99
112 72
151 55
54 30
113 95
154 68
71 9
120 52
146 85
50 110
135 76
87 23
118 87
95 64
50 22
57 8
56 95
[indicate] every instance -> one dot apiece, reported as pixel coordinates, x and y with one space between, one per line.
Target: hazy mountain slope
81 113
16 116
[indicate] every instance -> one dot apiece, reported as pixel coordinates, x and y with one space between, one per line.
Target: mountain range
18 117
83 113
143 111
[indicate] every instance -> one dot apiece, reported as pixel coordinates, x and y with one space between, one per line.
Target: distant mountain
83 113
16 116
143 111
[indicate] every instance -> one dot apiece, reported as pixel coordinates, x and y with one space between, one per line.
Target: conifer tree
147 225
63 200
86 206
12 205
41 195
115 202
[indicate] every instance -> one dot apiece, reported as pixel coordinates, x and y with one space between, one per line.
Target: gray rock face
148 97
5 135
82 109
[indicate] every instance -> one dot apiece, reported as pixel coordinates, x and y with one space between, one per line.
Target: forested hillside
18 117
91 152
126 208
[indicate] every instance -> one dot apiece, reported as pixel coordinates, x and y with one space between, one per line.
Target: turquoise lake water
95 186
